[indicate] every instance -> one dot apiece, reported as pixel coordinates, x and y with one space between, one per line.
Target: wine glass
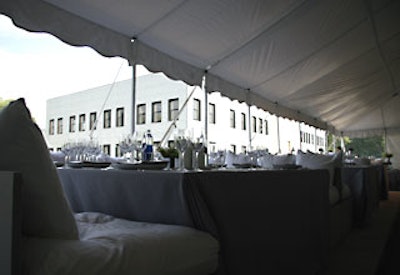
136 145
125 147
181 139
198 144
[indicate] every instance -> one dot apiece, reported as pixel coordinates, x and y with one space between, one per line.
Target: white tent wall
333 64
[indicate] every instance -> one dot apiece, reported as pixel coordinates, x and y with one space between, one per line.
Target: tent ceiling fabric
334 64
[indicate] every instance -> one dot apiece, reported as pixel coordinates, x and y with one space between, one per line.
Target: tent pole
204 87
301 148
133 111
279 135
249 126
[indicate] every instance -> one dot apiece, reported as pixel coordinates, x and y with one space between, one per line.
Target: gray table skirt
366 185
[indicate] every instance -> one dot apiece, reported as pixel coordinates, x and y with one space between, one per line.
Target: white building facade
105 114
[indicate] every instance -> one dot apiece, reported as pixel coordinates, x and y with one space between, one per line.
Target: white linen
269 161
109 245
57 156
266 161
232 159
317 161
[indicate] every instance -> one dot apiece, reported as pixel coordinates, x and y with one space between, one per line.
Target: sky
39 66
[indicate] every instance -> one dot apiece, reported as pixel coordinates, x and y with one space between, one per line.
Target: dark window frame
156 112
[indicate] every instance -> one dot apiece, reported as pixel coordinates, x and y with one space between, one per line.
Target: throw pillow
45 210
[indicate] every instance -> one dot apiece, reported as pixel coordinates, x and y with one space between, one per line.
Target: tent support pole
133 111
249 127
279 134
204 87
301 149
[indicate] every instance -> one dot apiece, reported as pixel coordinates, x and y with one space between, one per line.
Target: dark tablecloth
367 184
394 179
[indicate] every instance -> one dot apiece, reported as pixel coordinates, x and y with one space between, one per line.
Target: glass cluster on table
192 141
82 151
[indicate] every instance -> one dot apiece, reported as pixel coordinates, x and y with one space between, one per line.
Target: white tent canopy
333 64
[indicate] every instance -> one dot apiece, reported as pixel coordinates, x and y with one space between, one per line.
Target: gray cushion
45 211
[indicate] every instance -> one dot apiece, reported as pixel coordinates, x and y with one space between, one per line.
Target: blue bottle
148 154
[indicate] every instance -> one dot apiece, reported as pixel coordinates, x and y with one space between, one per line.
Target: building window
118 152
196 109
211 113
212 146
232 119
254 120
107 119
173 109
156 111
266 127
120 117
141 114
92 121
106 149
243 123
72 122
244 149
320 141
233 148
59 126
82 121
51 127
260 125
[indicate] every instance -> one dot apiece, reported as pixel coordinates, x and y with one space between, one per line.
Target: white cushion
115 246
45 211
318 161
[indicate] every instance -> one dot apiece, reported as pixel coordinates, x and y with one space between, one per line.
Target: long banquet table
266 221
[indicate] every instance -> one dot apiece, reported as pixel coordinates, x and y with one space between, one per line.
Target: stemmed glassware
136 145
124 146
81 151
198 143
131 146
181 138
